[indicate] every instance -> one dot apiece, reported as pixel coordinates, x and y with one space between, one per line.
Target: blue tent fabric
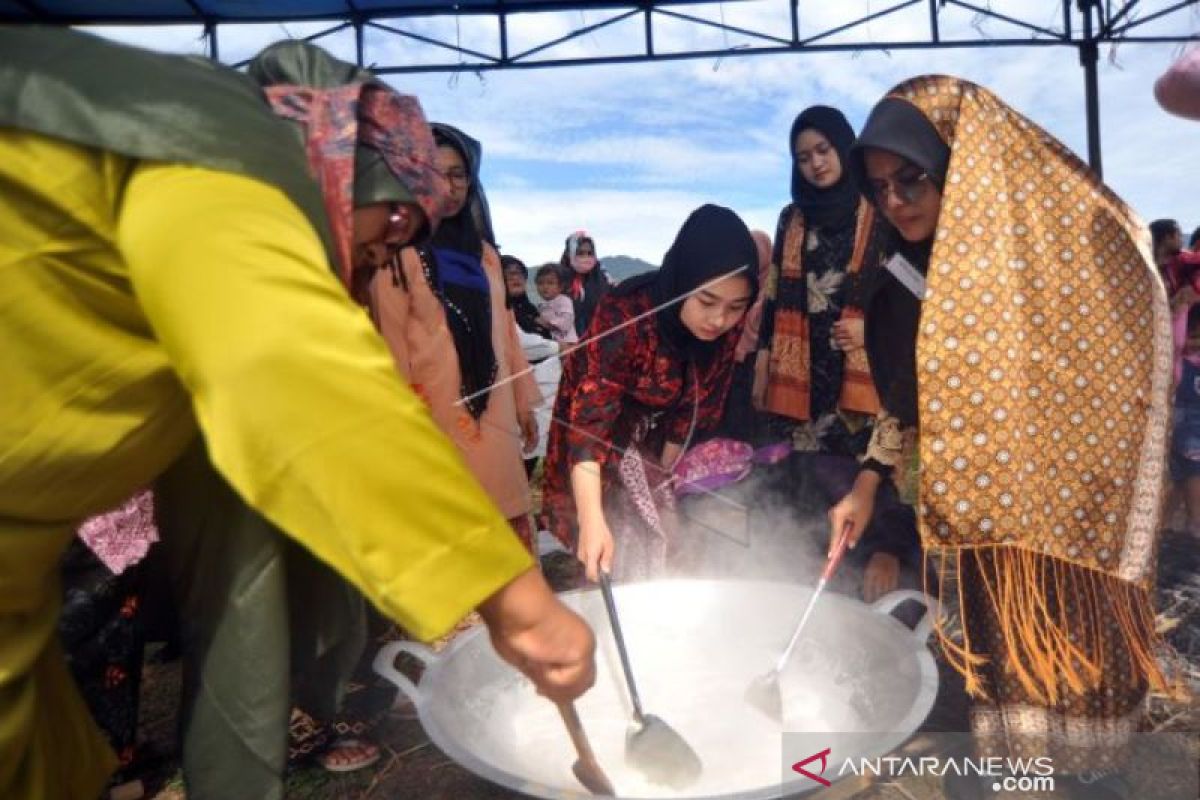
80 12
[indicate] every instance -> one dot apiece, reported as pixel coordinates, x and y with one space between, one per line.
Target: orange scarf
788 380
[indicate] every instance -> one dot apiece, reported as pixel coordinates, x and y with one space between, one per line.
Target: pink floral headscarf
335 120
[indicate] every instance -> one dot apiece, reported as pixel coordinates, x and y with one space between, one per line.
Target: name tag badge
907 274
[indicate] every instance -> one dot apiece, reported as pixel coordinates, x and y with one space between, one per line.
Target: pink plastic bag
1178 90
720 462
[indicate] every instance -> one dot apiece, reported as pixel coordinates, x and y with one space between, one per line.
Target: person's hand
529 431
595 549
855 508
849 334
1186 296
531 629
758 391
881 576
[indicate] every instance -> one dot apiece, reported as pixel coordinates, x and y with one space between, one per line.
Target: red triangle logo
799 766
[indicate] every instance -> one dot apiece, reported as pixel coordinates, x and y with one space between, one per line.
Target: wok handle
385 666
888 603
614 621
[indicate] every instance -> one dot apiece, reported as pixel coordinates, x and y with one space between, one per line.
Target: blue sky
626 151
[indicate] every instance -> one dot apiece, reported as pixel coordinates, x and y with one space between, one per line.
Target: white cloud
533 224
627 150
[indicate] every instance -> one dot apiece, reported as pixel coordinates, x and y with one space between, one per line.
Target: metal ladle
764 692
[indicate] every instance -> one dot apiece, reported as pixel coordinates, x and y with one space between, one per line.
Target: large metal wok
696 645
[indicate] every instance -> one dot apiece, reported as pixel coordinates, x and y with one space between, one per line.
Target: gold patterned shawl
1043 374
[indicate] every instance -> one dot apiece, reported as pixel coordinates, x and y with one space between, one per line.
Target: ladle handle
615 622
839 549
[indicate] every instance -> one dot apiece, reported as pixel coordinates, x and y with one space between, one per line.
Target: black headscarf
899 127
712 242
522 307
472 153
453 258
833 204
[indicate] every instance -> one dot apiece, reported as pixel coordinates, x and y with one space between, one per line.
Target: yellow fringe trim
1048 649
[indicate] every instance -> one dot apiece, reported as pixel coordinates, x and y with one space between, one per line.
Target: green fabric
247 596
374 181
93 92
232 593
296 63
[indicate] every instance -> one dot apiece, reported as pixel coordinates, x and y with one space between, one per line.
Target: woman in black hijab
813 375
1039 488
516 296
655 371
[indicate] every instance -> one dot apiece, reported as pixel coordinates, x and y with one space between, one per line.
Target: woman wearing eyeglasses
811 371
1020 325
441 309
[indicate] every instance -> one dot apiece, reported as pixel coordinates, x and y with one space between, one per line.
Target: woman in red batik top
655 369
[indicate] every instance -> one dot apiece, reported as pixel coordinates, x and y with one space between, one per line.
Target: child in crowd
556 310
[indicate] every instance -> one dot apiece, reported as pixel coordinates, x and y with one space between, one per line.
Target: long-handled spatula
652 746
763 692
586 768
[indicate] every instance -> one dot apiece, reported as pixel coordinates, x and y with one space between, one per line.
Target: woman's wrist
867 482
519 603
590 517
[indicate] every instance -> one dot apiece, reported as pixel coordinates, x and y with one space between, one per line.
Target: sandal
335 758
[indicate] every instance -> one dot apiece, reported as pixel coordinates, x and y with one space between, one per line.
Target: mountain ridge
621 267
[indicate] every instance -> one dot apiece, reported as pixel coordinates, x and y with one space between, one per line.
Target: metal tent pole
1089 57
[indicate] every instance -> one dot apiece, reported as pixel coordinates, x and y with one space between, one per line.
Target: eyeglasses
457 176
908 188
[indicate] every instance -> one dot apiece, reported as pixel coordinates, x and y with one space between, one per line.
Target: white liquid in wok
740 747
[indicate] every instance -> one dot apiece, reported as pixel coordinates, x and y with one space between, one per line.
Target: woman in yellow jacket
162 272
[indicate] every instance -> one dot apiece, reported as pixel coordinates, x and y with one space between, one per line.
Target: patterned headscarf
338 108
1043 373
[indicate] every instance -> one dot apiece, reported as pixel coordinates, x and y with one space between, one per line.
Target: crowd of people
253 323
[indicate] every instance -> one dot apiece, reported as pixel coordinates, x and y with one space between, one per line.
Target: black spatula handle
615 622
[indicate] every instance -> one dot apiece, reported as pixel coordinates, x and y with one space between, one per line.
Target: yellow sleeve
299 400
